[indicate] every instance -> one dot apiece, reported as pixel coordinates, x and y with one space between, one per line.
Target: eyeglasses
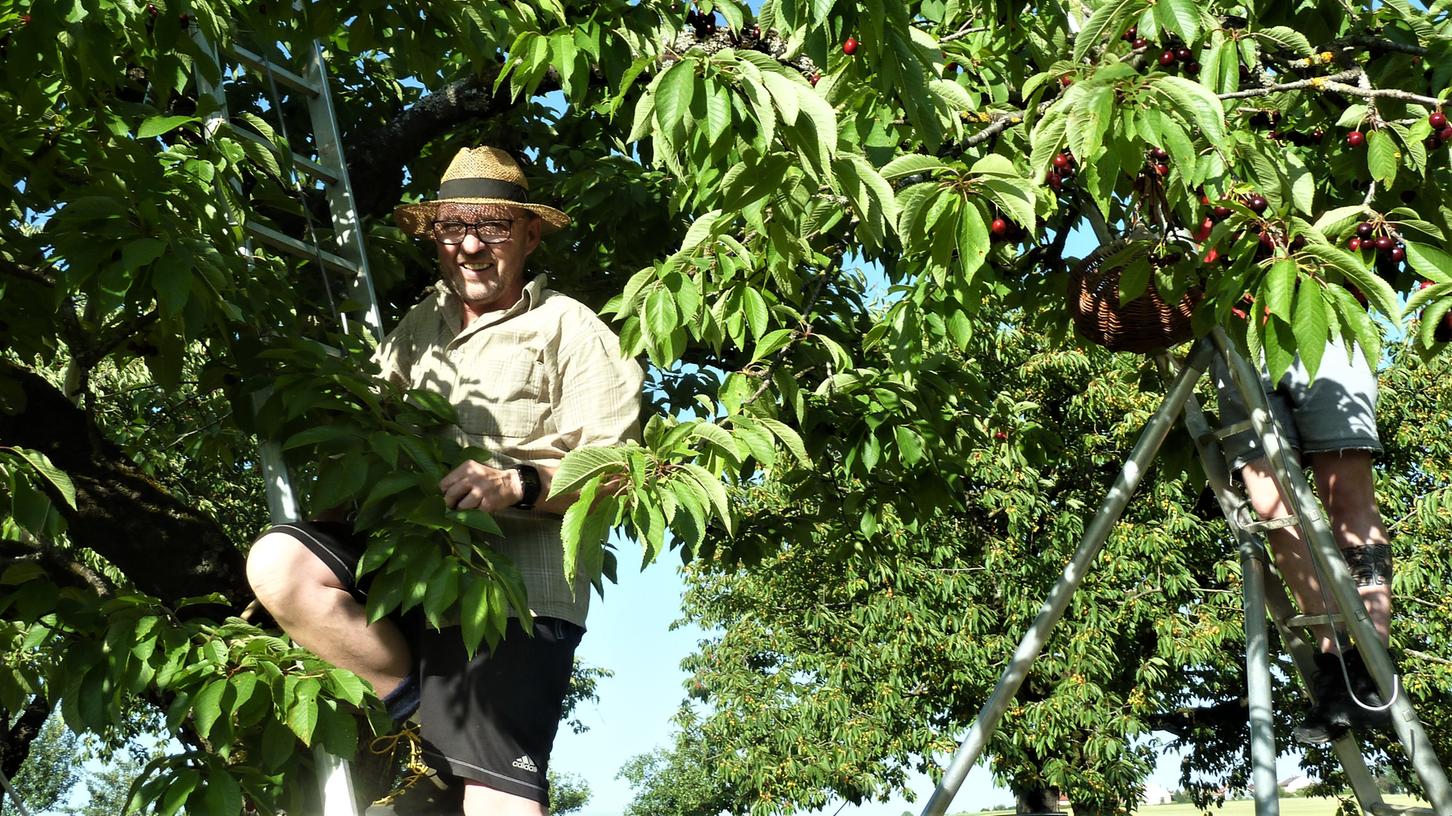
488 232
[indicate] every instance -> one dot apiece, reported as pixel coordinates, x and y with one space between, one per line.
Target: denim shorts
1336 412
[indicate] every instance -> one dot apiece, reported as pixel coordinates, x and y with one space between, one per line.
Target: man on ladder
1332 423
533 374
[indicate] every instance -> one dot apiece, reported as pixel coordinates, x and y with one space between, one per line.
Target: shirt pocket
499 395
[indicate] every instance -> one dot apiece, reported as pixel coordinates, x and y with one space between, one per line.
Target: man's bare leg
1345 484
311 605
482 800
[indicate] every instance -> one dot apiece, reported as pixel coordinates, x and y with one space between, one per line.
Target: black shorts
492 719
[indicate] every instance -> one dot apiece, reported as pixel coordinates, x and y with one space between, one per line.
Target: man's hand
474 486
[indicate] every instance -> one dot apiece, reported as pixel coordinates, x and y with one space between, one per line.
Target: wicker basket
1144 325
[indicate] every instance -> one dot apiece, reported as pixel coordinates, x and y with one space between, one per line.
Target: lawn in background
1242 807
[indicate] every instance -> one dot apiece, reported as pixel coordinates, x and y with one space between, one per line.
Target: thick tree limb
167 548
15 739
376 158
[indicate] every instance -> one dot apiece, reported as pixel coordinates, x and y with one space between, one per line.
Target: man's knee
279 568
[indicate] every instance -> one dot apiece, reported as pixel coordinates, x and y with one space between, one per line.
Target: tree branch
163 545
1337 83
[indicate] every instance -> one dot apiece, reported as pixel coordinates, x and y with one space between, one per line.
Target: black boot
1365 706
1329 717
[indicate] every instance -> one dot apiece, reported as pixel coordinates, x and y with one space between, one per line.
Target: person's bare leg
482 800
1292 558
1345 482
311 605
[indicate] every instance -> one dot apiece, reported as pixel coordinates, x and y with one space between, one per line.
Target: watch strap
529 478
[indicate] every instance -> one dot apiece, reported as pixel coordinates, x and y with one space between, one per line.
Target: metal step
1271 524
1305 621
262 65
321 172
292 246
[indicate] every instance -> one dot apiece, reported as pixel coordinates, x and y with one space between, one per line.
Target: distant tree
568 793
50 771
681 780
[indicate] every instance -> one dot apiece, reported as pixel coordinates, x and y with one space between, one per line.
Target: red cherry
998 227
1426 284
1166 57
1365 229
1192 68
813 79
1445 134
1000 435
1139 44
1055 181
1162 169
25 19
1267 240
1062 160
1221 212
1130 33
1205 227
850 47
152 9
1212 255
1160 154
1384 243
1183 54
1356 138
1437 120
1354 244
1066 80
1399 253
1257 204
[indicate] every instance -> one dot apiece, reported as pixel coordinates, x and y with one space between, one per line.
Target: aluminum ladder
1262 593
327 168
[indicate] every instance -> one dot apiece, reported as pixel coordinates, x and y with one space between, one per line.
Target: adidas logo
524 763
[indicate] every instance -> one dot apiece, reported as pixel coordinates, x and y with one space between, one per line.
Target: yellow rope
415 769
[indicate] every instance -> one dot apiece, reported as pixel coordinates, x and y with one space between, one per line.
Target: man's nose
471 245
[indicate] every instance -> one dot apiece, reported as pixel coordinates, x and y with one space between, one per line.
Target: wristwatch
529 478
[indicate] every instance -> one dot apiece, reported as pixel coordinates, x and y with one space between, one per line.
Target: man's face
486 276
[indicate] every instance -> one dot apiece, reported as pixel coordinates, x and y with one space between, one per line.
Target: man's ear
532 233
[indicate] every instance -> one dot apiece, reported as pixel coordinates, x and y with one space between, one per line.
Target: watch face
529 479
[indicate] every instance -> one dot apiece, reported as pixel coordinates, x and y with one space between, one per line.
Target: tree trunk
1037 800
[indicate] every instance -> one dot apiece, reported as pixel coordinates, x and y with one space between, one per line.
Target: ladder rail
335 782
1326 556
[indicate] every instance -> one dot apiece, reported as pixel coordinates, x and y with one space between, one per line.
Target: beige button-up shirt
530 383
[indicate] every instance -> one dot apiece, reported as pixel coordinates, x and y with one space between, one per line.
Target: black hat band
483 188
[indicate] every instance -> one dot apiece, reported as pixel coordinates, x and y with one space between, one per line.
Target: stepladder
1263 595
314 167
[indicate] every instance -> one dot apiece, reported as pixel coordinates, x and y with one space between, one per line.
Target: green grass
1244 807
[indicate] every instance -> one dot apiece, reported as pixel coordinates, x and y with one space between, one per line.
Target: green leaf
644 113
222 795
673 95
714 491
302 713
773 342
1109 20
1430 262
474 613
755 310
1014 198
1181 17
1279 288
789 439
1383 157
57 477
909 164
207 706
1288 39
1378 292
718 112
1311 325
699 230
347 685
582 464
157 125
583 533
1193 100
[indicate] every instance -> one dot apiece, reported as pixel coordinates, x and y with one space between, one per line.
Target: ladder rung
321 172
293 246
1233 429
1303 621
1384 809
263 65
1270 524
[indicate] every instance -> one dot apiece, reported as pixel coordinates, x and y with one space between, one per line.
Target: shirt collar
533 295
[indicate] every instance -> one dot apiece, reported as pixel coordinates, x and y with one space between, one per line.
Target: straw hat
478 175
